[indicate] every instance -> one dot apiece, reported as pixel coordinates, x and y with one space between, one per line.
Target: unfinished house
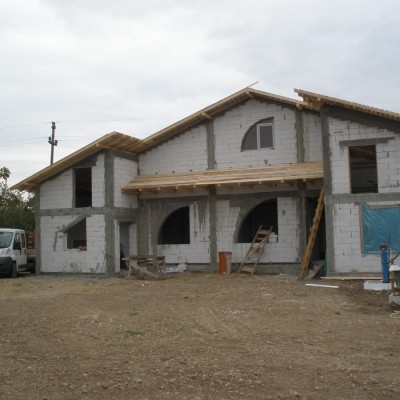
206 183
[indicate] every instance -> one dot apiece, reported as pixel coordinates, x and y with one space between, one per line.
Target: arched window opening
265 214
176 228
259 136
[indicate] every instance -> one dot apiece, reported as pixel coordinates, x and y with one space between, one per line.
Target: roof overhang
114 140
227 178
315 101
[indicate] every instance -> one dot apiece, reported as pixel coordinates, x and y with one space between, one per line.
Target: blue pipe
385 262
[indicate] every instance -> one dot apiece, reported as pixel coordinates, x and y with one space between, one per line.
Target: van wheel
33 268
13 270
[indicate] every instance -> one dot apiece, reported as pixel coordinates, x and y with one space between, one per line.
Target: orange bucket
225 265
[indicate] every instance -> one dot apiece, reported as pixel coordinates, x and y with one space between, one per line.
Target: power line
25 125
23 140
115 120
88 121
18 144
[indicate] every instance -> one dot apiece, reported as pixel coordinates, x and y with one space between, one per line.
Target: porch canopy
227 178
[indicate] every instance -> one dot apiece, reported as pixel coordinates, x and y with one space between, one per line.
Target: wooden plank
247 269
287 173
352 278
313 233
256 248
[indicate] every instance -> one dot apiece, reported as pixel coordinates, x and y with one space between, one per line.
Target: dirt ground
195 336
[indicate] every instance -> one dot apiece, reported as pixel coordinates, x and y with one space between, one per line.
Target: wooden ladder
256 248
313 234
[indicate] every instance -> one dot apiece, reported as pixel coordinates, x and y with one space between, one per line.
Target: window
259 136
5 239
363 169
176 228
83 187
17 241
76 236
265 214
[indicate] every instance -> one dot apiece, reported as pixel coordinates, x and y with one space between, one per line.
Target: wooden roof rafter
114 140
228 178
316 101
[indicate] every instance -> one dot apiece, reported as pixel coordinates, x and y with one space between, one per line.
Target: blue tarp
380 226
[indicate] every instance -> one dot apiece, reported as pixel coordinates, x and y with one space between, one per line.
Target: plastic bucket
225 258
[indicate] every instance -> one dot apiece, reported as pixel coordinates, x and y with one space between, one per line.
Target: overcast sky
136 66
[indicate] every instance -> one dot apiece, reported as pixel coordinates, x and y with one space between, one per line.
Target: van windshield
5 239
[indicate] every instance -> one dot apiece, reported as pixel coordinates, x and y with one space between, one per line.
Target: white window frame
271 124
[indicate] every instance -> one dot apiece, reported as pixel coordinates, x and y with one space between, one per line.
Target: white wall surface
388 164
55 257
180 154
98 183
198 249
388 155
124 171
57 192
312 137
347 247
230 128
283 248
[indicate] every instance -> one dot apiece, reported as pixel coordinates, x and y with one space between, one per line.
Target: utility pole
52 141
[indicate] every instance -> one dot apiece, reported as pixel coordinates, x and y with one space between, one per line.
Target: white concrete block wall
55 257
230 128
347 242
347 245
198 249
387 155
312 137
57 192
180 154
124 171
283 248
98 184
388 165
226 222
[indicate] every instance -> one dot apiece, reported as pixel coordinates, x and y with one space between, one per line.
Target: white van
14 254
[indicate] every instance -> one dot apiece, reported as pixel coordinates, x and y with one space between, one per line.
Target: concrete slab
394 301
376 285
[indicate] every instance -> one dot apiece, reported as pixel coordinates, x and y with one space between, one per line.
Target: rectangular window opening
76 236
265 136
363 169
83 187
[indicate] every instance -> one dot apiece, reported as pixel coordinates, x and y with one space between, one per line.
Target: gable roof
113 140
118 141
210 112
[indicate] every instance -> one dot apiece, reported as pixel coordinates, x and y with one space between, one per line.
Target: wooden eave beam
249 94
206 115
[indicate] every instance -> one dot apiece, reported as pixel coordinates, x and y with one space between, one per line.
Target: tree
16 211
